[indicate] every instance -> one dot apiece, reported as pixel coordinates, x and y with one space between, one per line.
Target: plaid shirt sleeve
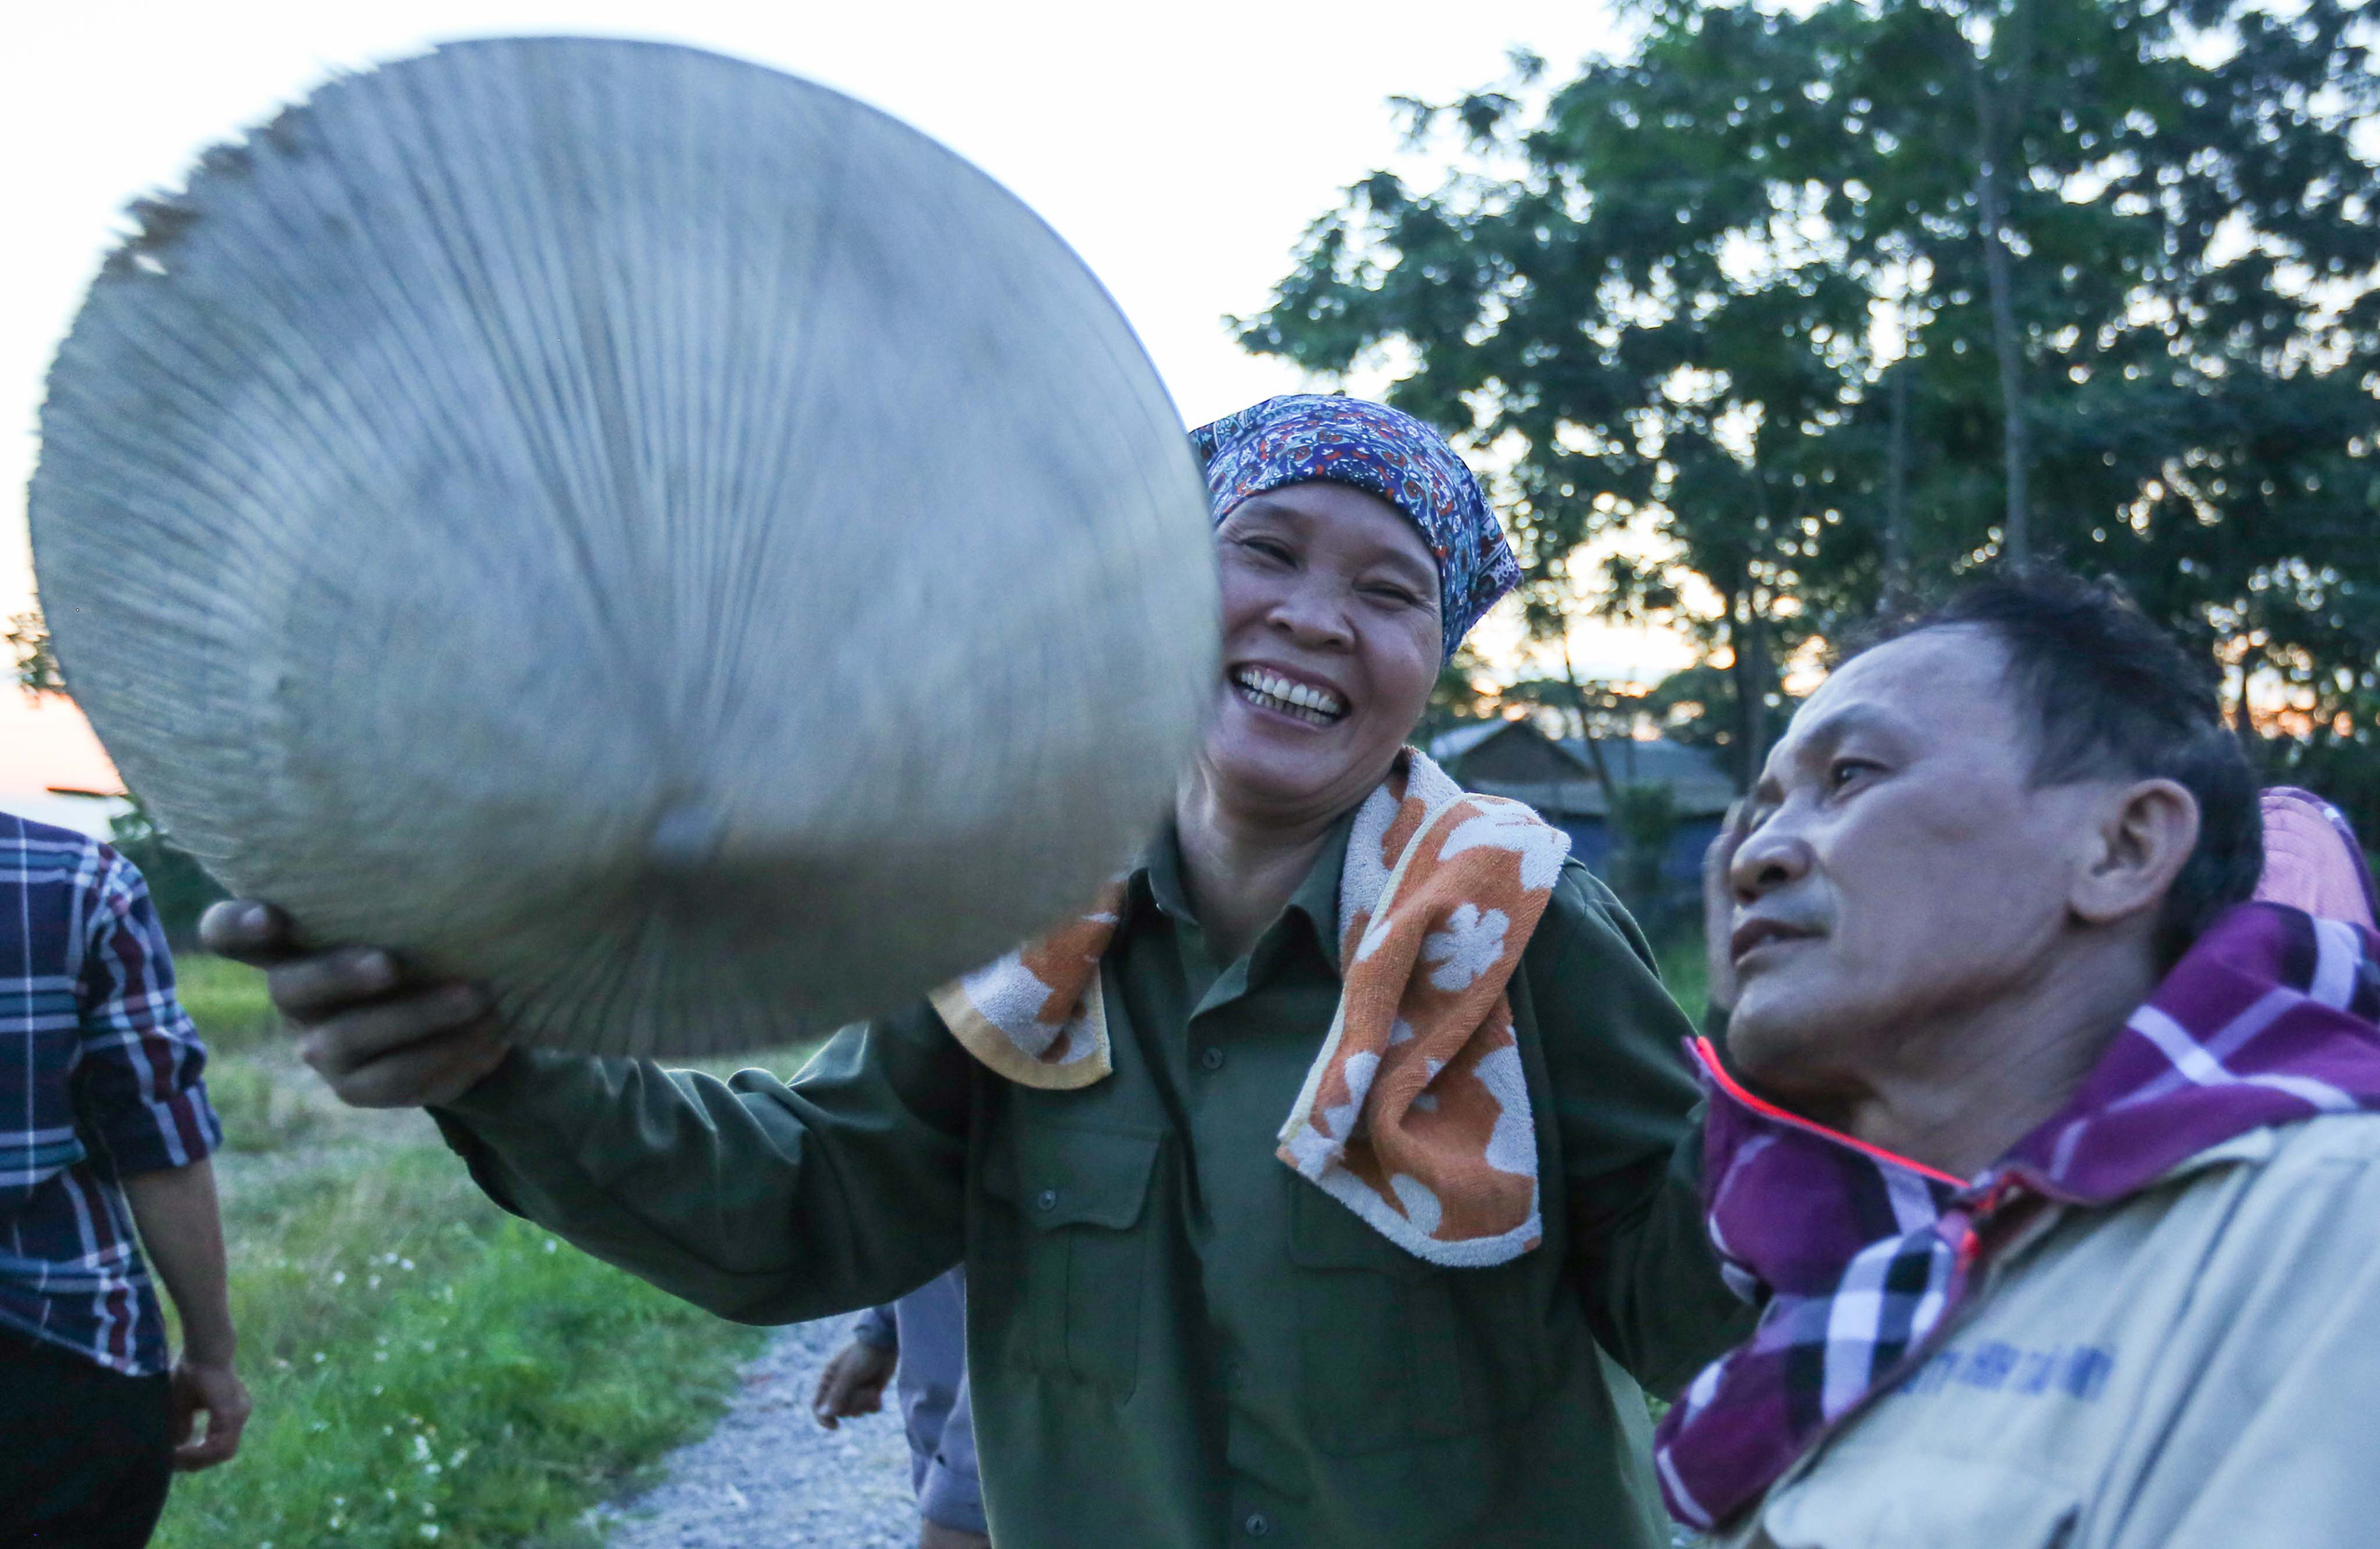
99 1078
144 1097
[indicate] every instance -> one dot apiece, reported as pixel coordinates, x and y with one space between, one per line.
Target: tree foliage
1737 287
179 888
30 659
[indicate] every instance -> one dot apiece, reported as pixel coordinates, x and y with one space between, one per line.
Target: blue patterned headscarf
1303 436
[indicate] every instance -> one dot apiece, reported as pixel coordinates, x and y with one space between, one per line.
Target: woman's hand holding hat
380 1037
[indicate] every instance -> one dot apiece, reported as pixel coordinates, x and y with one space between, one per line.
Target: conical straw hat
632 527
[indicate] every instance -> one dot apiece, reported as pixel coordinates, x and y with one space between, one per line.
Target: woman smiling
1327 1181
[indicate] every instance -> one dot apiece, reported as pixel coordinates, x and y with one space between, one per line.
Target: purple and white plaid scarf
1856 1255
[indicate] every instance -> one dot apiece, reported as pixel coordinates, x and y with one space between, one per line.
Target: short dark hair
2114 696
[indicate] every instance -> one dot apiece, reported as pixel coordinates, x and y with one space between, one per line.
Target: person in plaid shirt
104 1129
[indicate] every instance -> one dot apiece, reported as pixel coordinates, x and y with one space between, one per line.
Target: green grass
266 1106
429 1370
426 1369
251 1077
1686 975
227 1000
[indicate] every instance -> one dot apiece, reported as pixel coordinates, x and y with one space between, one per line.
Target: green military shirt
1174 1341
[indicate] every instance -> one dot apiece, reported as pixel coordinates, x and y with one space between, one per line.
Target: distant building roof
1514 759
1653 759
1453 745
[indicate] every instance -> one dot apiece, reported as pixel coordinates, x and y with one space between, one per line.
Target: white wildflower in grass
481 1460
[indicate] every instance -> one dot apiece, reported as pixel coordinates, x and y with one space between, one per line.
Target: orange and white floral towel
1416 1113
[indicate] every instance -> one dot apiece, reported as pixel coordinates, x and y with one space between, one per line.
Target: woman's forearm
182 1231
761 1201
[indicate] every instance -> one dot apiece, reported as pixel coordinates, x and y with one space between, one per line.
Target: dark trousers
85 1453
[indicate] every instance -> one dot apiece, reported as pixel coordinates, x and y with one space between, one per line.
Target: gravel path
770 1478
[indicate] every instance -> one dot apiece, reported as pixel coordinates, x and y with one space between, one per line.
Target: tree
1456 698
30 657
1867 296
179 888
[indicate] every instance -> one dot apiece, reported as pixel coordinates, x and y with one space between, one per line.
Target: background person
2053 1162
922 1339
104 1133
1416 1312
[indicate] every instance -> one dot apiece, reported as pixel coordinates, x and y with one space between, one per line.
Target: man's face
1905 868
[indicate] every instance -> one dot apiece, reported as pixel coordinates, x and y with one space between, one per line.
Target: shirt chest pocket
1875 1494
1066 1252
1393 1351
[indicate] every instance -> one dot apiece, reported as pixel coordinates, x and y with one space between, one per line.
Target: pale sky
1181 150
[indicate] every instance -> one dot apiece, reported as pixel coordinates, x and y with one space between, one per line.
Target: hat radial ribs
631 527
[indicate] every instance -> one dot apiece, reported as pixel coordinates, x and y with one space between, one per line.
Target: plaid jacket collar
1854 1255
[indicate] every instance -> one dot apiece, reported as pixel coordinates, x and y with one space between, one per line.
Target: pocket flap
1325 1233
1918 1494
1075 1175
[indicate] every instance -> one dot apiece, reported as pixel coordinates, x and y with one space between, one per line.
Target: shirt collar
1159 880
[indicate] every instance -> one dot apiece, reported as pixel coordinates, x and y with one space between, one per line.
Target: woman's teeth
1316 706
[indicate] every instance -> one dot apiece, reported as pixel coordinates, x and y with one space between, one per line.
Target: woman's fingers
360 1033
378 1040
246 932
325 984
306 986
438 1067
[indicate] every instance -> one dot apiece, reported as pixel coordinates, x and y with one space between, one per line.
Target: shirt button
1047 1200
1257 1525
1211 1057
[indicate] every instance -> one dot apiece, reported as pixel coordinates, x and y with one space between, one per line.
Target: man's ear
2146 833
